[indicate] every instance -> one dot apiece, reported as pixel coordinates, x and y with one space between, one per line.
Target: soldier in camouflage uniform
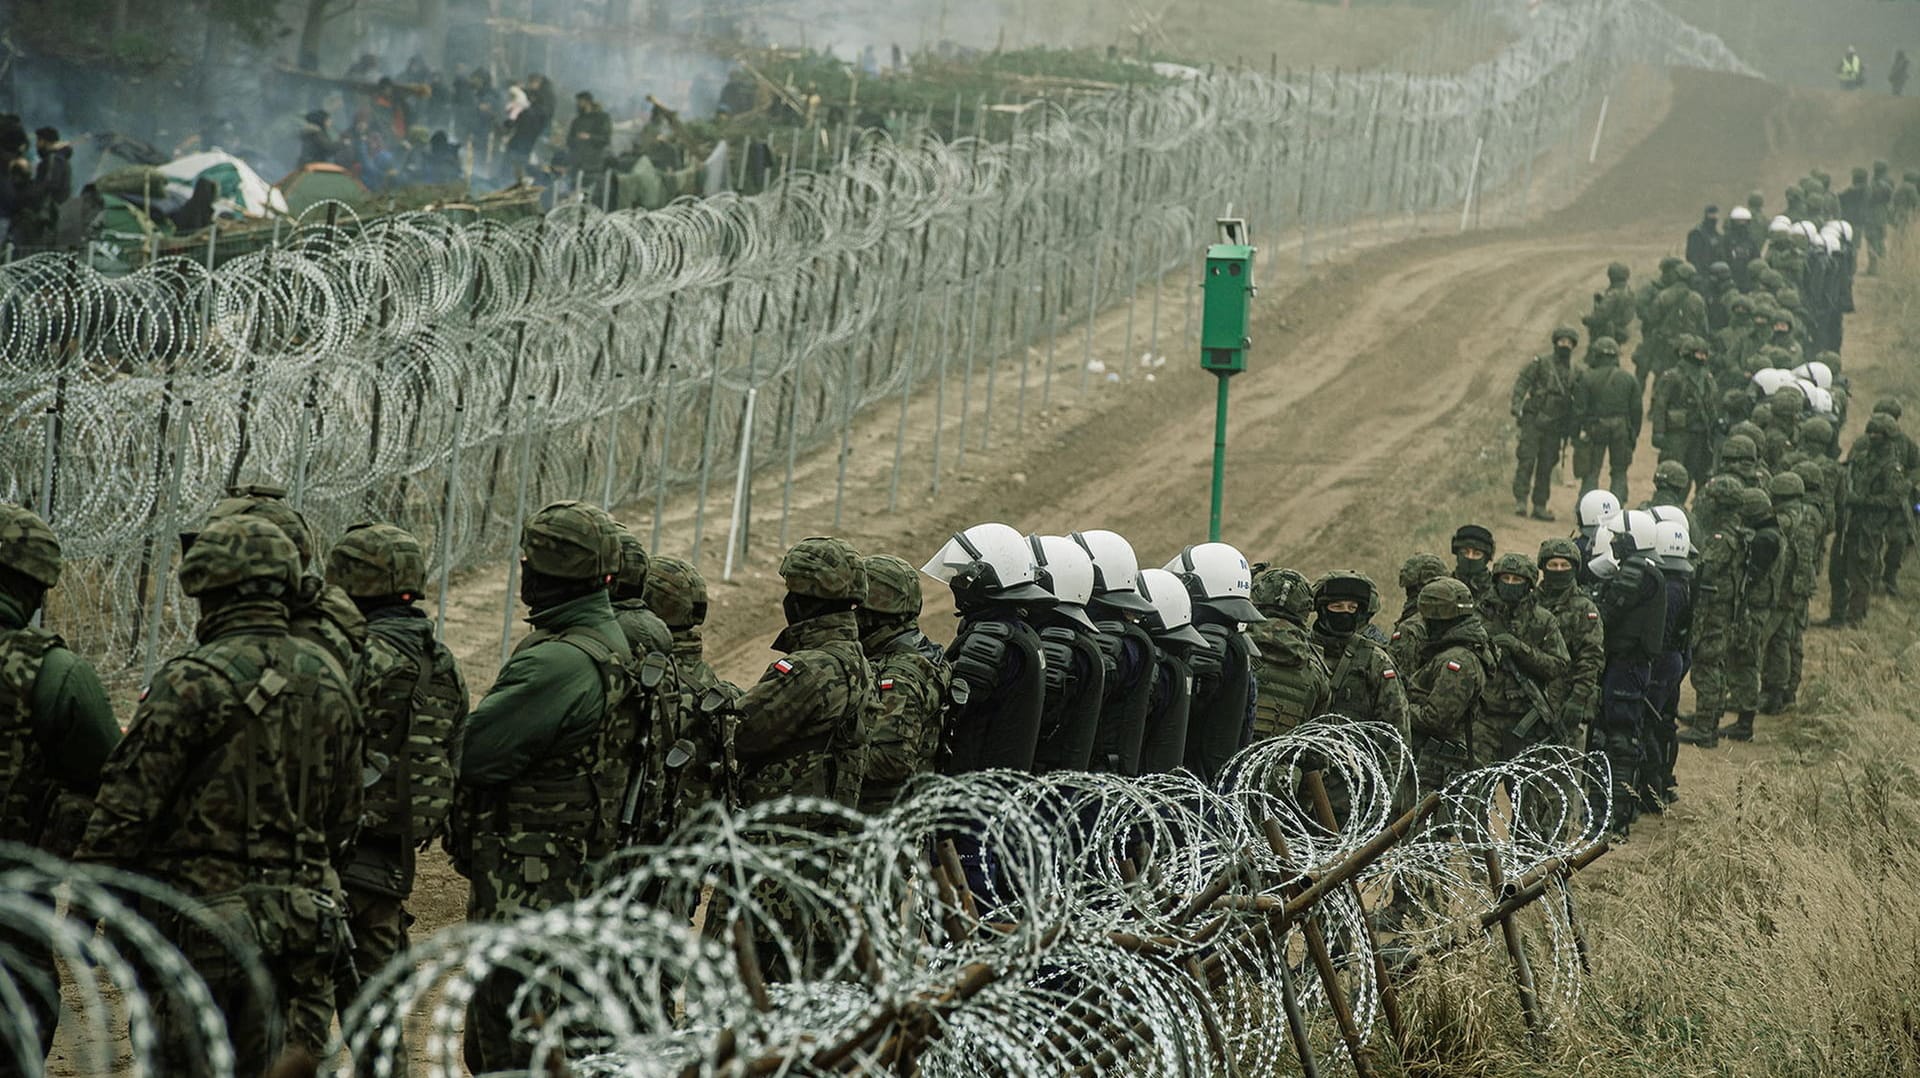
911 676
1671 481
1409 633
1541 402
1740 459
1879 499
319 611
1800 524
1613 310
1644 305
1606 412
1473 551
1576 696
678 594
1720 625
1292 683
1366 685
1443 695
1530 660
1684 400
1765 605
658 700
1900 536
413 701
804 725
56 732
239 784
545 758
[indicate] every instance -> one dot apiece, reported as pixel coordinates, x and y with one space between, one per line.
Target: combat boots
1519 507
1772 703
1741 728
1702 730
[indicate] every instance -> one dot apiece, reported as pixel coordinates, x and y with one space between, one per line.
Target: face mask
1562 351
1510 593
1556 579
1339 624
1464 566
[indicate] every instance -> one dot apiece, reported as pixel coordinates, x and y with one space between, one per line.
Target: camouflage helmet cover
1810 478
375 560
1445 599
28 546
1755 506
1787 485
243 550
1617 272
1723 490
631 579
1558 547
676 592
1814 431
1606 346
1673 474
1565 333
1883 425
1738 447
1420 570
1282 593
893 585
1518 564
1889 405
271 508
826 568
571 540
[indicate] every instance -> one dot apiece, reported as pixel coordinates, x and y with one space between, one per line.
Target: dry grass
1769 926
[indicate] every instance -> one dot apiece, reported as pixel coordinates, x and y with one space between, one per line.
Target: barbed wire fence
448 376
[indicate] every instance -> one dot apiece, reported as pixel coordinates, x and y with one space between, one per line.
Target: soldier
1472 552
1729 345
1632 597
1365 683
1541 404
1719 291
1671 482
1443 695
320 612
58 733
1613 310
1900 536
1181 655
1740 459
1645 307
1530 659
910 675
646 634
1219 582
1879 499
1606 412
1673 548
1409 633
1292 680
1720 625
1800 526
803 725
1070 644
238 783
1682 412
412 701
545 757
656 701
1765 604
1740 246
1679 310
1785 410
1576 696
996 654
1117 607
677 593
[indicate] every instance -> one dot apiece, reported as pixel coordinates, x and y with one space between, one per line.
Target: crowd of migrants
286 772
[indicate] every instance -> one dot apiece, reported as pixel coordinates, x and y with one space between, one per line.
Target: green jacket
804 725
1543 394
1580 627
1537 650
1606 394
1366 683
1443 696
53 752
546 702
906 732
1684 401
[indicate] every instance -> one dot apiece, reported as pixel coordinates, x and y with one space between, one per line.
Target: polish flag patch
785 666
1389 675
1451 665
1593 615
886 683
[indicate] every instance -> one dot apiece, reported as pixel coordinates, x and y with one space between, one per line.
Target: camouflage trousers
1609 441
514 875
1535 453
1718 635
30 966
379 925
1898 539
299 937
1867 538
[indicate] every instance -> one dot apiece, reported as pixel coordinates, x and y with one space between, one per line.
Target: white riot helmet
1808 229
1821 401
1172 617
1115 569
1671 547
989 562
1063 567
1598 508
1781 223
1640 530
1846 230
1740 213
1772 380
1816 372
1601 560
1217 576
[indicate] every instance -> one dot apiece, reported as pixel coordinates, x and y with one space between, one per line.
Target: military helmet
1789 297
571 540
1518 564
1755 506
1787 485
1687 344
1888 406
1814 431
631 578
1738 447
1565 333
1606 346
825 567
1788 403
1883 425
1761 417
1617 272
1445 599
1740 304
1673 474
1473 537
1685 271
271 508
1719 270
676 592
1282 593
375 560
1558 547
28 546
241 551
1420 570
893 585
1735 398
1810 477
1349 584
1723 491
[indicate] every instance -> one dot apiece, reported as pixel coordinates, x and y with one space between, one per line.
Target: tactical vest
1071 717
905 654
1165 746
999 725
1118 738
660 711
827 763
27 791
1290 677
410 787
1351 689
1767 590
583 792
1217 719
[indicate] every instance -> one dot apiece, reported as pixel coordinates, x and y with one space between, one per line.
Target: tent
241 190
313 184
